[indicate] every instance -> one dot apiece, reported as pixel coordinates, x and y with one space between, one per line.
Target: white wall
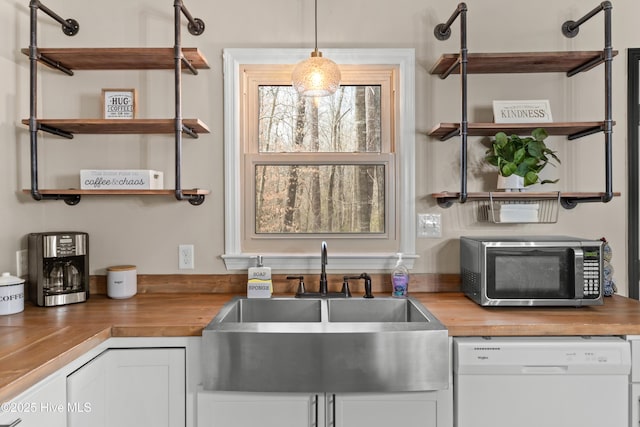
147 231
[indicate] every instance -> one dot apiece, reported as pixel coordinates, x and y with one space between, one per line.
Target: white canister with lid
11 294
122 281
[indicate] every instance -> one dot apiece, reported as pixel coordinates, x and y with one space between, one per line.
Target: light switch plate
429 225
21 263
185 257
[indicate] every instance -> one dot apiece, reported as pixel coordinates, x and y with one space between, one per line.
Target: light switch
429 225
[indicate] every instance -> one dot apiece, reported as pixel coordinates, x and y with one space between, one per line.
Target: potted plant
522 157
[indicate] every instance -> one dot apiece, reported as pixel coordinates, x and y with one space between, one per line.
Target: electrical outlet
185 257
22 266
429 225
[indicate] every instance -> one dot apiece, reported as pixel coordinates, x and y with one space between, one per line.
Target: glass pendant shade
316 76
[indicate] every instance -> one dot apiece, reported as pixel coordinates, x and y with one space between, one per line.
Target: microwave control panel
591 272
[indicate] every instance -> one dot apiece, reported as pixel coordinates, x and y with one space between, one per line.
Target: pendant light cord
316 24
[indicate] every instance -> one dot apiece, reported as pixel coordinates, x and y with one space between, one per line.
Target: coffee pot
63 277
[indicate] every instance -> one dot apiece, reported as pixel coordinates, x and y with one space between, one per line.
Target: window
317 167
302 170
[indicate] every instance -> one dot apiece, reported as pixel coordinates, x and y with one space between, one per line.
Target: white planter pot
510 183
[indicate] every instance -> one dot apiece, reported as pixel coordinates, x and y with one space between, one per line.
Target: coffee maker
58 268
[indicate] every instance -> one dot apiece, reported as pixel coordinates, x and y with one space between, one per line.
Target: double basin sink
325 345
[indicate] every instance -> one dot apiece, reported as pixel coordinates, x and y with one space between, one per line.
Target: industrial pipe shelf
67 60
571 63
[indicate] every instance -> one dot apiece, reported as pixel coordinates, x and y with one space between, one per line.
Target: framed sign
531 111
119 103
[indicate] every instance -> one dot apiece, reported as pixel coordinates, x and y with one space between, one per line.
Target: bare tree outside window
305 195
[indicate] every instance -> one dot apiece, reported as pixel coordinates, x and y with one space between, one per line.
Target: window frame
252 78
404 175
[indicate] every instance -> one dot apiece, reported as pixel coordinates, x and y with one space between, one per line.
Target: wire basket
518 210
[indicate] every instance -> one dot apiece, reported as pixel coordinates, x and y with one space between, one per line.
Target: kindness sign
531 111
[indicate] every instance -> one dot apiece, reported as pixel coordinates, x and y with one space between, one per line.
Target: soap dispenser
259 283
400 279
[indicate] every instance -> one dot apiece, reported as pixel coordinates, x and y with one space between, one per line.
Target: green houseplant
522 156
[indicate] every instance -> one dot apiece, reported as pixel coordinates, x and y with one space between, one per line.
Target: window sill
308 262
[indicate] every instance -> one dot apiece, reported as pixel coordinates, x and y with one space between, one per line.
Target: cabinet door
634 405
420 409
233 409
44 404
129 387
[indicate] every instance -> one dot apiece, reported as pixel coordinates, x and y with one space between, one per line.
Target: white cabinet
140 382
234 409
44 404
634 380
419 409
634 405
129 387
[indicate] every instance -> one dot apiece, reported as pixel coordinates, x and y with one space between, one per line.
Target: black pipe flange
196 29
71 28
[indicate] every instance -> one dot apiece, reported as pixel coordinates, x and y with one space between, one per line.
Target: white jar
122 281
11 294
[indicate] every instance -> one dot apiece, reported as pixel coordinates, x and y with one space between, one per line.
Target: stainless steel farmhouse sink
379 310
245 310
325 345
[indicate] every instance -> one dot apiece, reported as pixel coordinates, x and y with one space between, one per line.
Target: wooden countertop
38 341
462 317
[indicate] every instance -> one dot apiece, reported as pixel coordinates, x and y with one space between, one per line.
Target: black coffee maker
58 268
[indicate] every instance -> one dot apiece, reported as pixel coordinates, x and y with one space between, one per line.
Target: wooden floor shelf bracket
195 27
189 131
54 64
54 131
571 29
70 200
448 130
71 27
572 202
443 32
584 133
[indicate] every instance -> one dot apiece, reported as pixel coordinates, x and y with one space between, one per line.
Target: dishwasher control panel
542 354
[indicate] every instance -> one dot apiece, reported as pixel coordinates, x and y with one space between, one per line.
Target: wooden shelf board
518 62
490 129
505 195
78 192
121 126
120 58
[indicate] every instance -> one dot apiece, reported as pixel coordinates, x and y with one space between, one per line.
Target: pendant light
316 76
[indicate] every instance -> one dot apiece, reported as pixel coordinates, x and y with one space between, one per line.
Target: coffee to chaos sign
533 111
119 103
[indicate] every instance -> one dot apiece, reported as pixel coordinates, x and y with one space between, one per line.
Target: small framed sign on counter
528 111
119 103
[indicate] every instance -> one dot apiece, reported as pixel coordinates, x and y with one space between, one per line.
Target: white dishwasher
541 381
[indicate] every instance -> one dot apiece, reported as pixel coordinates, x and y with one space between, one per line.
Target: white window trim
233 257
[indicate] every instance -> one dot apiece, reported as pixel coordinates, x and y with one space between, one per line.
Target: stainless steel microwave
531 270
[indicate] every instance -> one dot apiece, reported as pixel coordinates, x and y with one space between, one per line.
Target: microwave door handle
579 272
